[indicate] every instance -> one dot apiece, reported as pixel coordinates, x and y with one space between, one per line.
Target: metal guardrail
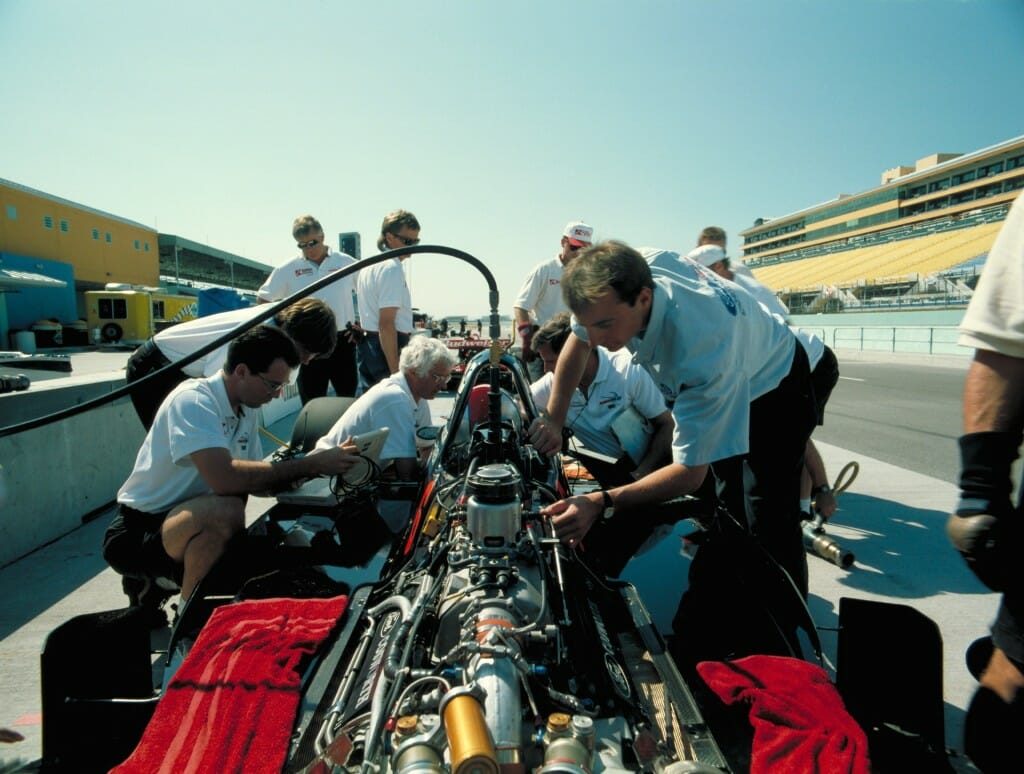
920 339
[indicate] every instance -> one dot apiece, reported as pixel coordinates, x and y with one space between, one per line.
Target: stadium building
917 240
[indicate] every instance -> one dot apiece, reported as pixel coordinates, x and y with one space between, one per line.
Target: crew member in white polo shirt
540 297
987 527
611 384
185 499
316 262
309 322
385 304
399 403
741 401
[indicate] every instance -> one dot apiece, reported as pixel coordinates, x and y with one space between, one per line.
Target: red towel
800 722
231 705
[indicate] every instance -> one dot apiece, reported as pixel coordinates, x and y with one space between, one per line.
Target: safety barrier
919 339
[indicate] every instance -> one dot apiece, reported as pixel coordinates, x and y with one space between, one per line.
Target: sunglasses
573 248
406 240
310 243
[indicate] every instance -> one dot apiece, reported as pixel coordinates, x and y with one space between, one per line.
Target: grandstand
920 239
900 269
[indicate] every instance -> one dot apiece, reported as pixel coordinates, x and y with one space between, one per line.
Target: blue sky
494 122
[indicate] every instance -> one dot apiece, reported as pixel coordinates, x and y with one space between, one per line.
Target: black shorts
823 379
133 545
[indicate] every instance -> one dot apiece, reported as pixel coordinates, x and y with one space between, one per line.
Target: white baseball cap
707 255
578 233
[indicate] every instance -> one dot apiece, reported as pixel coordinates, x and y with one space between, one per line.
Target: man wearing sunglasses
185 499
316 261
385 304
540 297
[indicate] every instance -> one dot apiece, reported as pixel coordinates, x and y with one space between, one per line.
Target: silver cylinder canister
493 509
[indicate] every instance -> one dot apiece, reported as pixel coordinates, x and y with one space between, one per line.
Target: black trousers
823 380
339 369
147 398
739 601
761 488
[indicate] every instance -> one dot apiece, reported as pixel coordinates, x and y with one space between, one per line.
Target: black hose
272 309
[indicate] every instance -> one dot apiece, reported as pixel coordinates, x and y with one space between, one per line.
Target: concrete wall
56 474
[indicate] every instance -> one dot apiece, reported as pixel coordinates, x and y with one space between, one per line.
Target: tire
111 332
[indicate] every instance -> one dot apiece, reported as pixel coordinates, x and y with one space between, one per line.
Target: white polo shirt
300 273
389 403
382 286
182 339
619 384
712 349
541 293
994 319
195 416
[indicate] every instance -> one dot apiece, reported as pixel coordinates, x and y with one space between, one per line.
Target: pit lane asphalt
902 409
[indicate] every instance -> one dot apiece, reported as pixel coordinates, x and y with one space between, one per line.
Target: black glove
984 528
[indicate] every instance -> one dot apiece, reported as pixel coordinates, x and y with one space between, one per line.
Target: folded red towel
231 705
800 722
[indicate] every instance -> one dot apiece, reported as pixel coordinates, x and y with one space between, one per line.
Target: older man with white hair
399 403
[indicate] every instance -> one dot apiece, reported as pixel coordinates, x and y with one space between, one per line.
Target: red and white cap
579 234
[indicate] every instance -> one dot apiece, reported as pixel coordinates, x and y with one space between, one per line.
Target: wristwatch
823 489
609 506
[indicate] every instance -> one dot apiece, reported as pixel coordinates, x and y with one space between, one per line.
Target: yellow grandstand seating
890 261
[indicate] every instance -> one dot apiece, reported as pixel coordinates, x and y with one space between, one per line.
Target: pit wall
56 475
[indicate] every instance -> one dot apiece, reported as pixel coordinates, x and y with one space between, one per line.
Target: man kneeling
185 498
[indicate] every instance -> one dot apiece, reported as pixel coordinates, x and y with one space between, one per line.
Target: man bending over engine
309 322
185 499
399 403
740 385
